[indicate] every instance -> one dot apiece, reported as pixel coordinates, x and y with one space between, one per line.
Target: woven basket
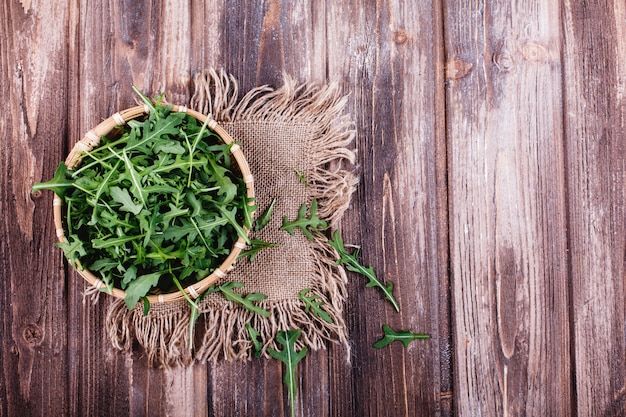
92 140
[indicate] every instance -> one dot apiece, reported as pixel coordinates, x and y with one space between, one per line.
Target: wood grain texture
389 56
507 208
595 112
492 155
34 334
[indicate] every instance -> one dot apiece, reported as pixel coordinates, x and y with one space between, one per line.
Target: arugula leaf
352 264
256 245
139 287
247 301
301 177
311 304
265 218
111 242
254 337
58 184
404 336
290 357
72 248
304 223
123 197
248 211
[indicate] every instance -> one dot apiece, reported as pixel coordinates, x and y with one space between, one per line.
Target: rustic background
492 160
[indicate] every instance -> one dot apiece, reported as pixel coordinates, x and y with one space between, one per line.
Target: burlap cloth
295 127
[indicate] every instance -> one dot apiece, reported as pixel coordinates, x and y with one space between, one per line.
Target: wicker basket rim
92 140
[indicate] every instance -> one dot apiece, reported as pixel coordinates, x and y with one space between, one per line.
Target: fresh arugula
155 207
265 218
404 336
314 306
290 357
352 264
246 301
301 177
308 225
256 246
254 337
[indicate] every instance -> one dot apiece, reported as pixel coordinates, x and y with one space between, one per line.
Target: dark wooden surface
491 150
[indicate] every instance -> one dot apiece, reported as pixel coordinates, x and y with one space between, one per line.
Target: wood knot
535 52
36 195
457 68
504 61
33 334
400 37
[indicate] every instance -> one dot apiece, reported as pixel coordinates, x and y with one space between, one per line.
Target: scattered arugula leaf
307 225
290 357
301 177
404 336
256 245
311 304
254 337
265 218
247 301
352 264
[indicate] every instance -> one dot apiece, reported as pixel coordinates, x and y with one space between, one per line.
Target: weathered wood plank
33 335
595 111
119 45
507 208
388 57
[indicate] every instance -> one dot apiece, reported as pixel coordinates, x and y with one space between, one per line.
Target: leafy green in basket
157 206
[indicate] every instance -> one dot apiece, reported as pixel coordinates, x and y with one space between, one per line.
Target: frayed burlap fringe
164 332
226 335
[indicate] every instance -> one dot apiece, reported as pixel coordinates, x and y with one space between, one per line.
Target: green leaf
301 177
140 287
290 357
129 275
135 178
111 242
72 248
256 245
265 218
352 264
121 195
404 336
306 224
146 305
195 310
311 304
247 301
248 211
254 337
58 184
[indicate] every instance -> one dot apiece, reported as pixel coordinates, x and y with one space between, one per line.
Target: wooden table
492 160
